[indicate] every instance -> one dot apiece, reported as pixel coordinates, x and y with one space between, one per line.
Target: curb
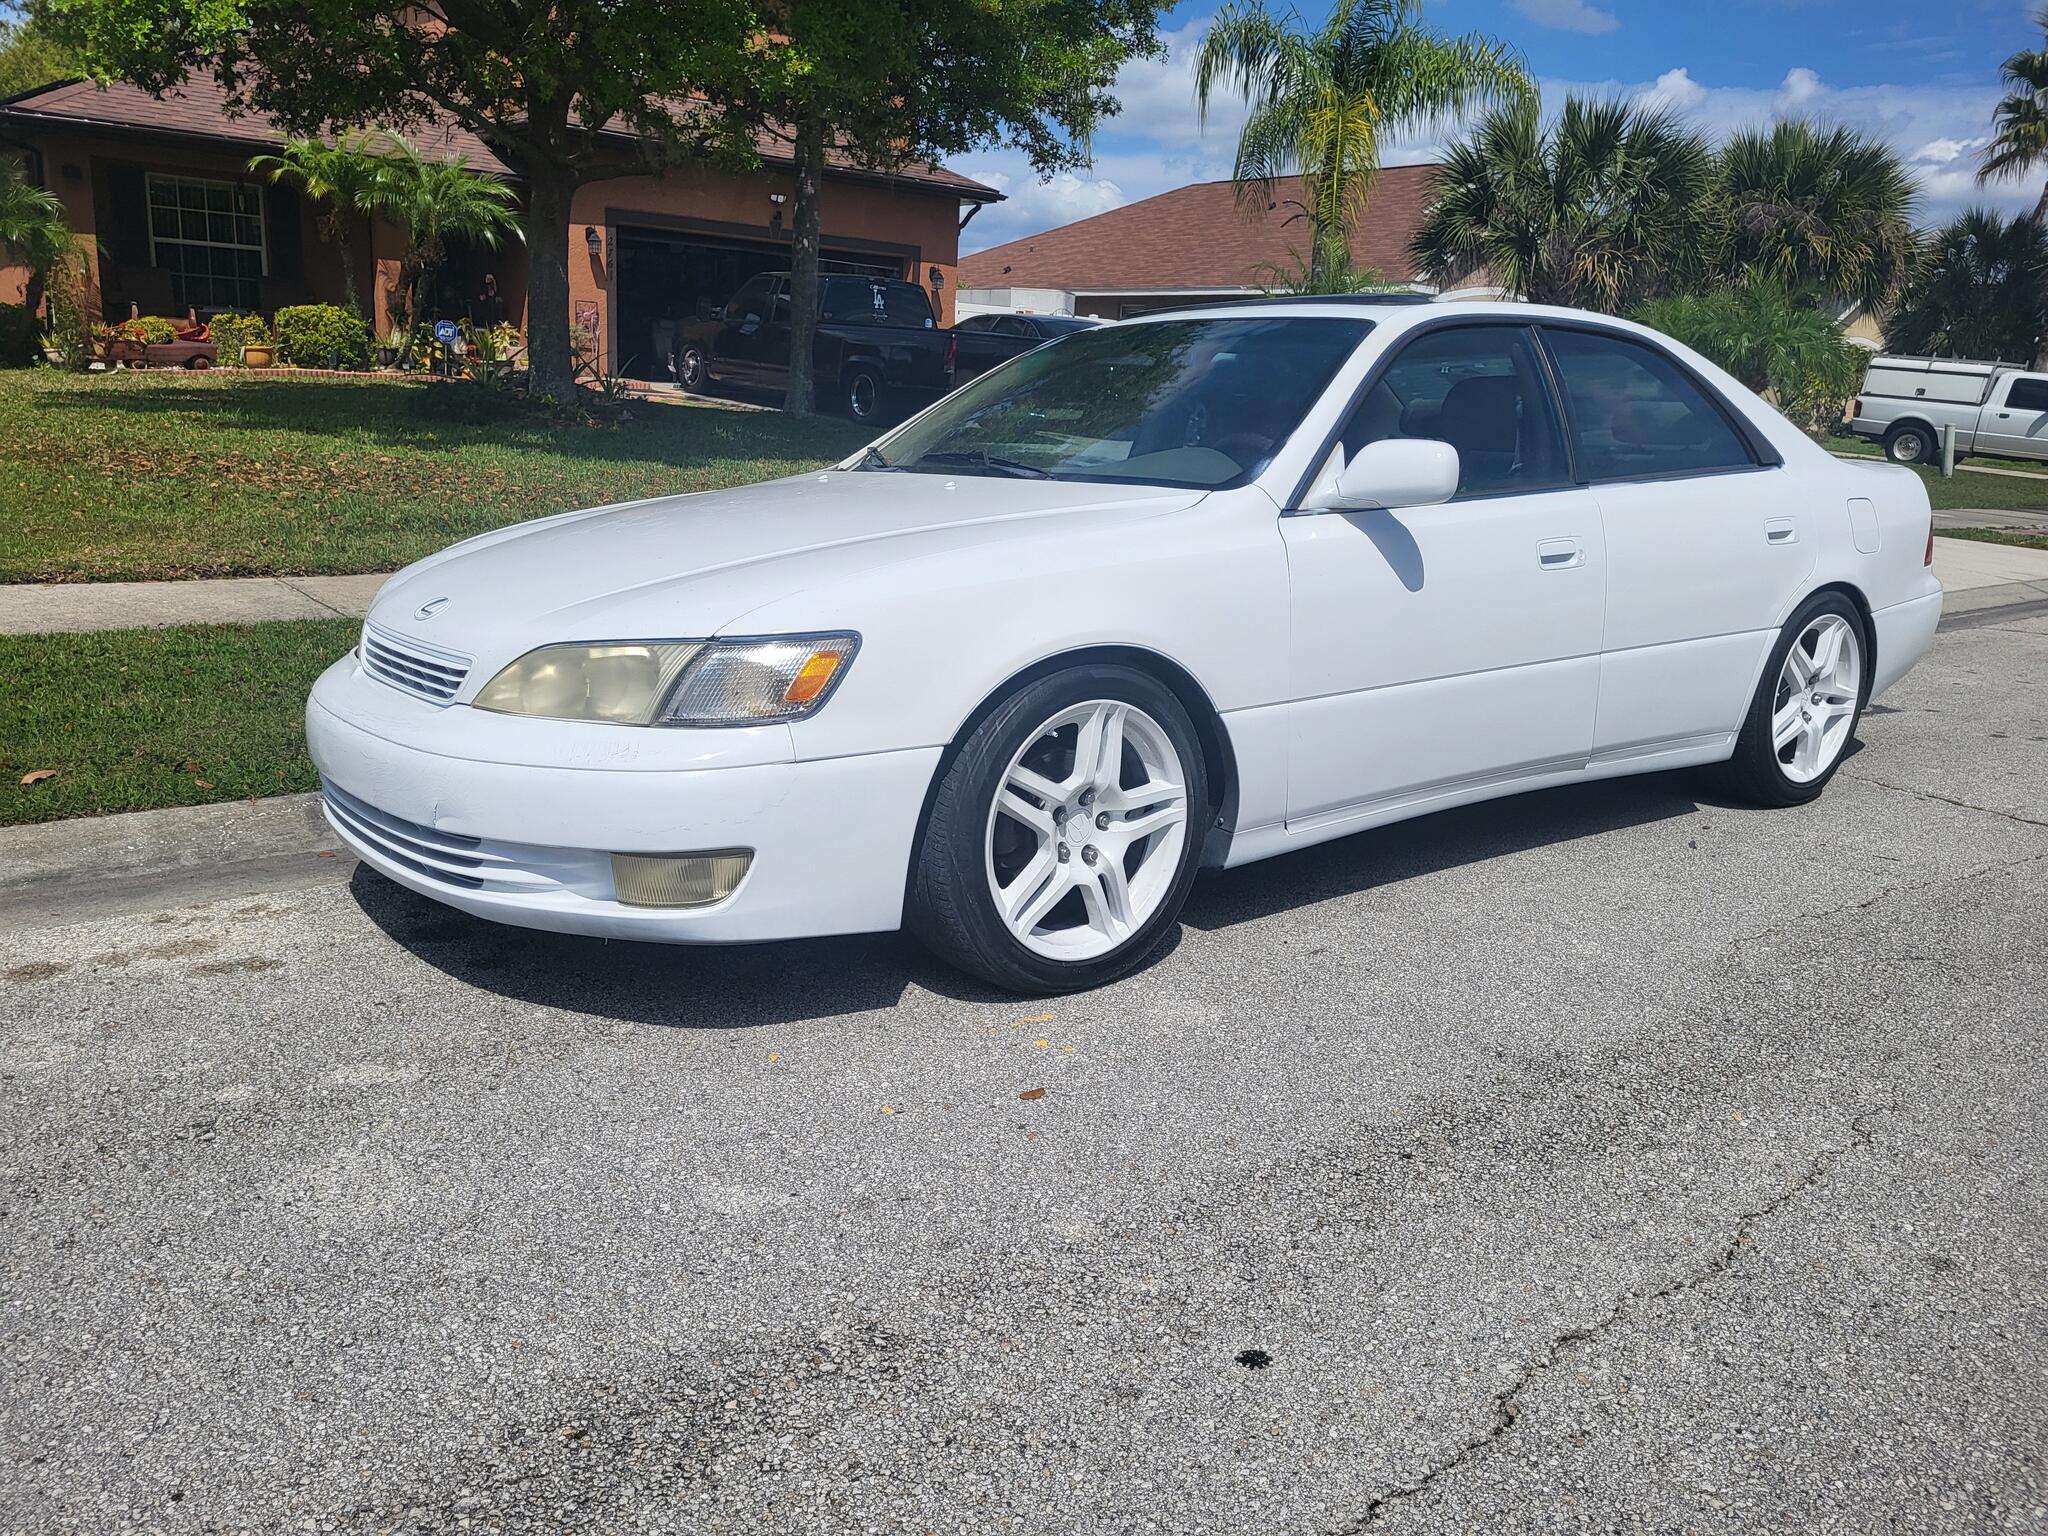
57 872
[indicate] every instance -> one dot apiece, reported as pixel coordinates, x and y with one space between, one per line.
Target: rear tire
1804 715
1909 442
863 395
1065 835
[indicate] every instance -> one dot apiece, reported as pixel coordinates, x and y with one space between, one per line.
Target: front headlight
674 682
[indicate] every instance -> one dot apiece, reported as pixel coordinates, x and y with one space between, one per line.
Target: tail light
1929 559
952 353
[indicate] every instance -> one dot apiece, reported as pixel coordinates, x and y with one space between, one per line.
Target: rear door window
1636 414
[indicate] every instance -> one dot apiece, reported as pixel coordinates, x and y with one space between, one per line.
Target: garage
668 277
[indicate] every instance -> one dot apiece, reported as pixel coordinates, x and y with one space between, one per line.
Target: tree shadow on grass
394 415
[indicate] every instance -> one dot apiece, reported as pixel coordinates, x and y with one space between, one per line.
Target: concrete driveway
1616 1159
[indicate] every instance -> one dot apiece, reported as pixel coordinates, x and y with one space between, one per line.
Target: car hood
688 566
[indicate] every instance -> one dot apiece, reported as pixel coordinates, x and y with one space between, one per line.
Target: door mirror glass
1393 472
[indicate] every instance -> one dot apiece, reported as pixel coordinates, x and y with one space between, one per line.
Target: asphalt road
1610 1160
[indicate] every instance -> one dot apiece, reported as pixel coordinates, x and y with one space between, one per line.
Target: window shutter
127 216
281 227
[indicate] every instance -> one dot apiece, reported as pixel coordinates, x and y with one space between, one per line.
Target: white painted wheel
1085 835
1819 689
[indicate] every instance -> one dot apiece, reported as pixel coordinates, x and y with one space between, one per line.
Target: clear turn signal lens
754 682
678 880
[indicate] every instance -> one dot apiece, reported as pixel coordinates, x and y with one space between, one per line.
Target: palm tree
1975 290
434 201
1612 204
32 228
1322 97
2019 132
1828 211
1773 339
343 177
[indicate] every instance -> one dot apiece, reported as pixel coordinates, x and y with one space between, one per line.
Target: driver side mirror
1394 472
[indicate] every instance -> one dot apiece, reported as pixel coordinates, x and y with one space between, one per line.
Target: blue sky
1922 76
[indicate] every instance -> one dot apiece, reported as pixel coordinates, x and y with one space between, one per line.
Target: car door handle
1560 554
1781 530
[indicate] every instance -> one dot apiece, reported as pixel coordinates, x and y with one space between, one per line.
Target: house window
209 236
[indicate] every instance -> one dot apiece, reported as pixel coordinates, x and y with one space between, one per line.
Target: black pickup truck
878 350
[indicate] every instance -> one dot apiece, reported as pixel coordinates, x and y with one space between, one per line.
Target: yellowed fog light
678 879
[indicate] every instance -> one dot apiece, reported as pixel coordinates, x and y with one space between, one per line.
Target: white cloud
1675 90
1946 151
1568 15
1800 89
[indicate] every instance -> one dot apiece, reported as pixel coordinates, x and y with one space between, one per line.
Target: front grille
421 669
449 858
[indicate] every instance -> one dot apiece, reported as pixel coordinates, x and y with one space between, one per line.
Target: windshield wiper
984 460
872 458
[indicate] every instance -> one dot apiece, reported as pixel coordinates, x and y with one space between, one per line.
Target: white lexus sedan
1191 590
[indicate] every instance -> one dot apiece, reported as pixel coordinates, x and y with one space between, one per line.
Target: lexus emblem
429 609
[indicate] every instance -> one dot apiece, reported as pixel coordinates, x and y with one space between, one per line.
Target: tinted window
977 323
1479 388
1637 413
1010 325
2028 395
752 299
1061 325
1199 403
875 301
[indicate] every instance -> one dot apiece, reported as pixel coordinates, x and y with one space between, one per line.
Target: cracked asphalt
1617 1159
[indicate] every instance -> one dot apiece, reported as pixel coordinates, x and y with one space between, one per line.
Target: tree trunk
335 232
799 398
550 359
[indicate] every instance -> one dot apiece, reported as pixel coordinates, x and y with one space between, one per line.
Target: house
1193 243
160 192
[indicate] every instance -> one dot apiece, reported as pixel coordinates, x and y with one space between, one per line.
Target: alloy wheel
1085 836
690 368
1819 688
860 397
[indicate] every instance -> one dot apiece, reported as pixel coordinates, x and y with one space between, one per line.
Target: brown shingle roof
198 110
1200 237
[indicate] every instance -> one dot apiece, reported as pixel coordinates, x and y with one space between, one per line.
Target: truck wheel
1909 443
863 395
690 370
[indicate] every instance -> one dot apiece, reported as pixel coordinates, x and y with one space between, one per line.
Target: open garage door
666 278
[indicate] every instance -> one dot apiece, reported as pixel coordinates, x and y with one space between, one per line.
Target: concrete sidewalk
76 606
69 607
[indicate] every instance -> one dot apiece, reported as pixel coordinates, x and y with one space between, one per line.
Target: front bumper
515 820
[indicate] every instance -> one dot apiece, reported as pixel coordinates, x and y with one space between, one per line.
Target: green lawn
132 719
1965 489
136 476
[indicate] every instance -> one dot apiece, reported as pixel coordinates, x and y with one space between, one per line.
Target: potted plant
390 346
259 353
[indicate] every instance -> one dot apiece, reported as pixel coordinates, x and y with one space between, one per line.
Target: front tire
1064 837
1909 443
1806 707
691 370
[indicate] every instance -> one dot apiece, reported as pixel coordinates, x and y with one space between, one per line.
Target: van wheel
863 395
1909 443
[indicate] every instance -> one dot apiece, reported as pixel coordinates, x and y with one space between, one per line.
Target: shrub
72 331
323 336
20 336
232 332
150 330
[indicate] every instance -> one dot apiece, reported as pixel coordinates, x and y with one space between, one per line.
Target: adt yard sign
444 331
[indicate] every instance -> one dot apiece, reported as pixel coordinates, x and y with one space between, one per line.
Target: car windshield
1200 403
